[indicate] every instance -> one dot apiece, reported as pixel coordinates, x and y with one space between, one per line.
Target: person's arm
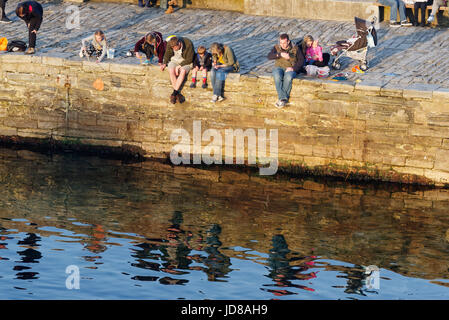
138 46
208 62
103 51
189 53
298 67
83 41
319 53
229 57
274 54
167 56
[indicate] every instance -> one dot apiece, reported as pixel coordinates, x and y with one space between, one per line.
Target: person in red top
32 13
152 44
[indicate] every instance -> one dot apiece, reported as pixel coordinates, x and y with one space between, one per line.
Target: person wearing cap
32 13
4 18
152 44
178 58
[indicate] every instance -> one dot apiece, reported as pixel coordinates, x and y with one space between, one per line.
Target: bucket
111 53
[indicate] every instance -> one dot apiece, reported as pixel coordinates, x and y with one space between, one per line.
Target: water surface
154 231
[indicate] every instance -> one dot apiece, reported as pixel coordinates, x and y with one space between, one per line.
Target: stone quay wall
355 131
339 10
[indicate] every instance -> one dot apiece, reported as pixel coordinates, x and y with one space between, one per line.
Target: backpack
16 45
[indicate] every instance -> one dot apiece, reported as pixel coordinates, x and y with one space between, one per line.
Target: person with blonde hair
224 61
152 44
313 52
97 46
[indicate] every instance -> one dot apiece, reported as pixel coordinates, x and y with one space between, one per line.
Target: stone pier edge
407 170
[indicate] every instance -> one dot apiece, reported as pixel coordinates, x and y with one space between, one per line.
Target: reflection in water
29 255
212 234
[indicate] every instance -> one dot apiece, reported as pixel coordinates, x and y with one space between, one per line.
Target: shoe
181 98
193 85
430 19
422 24
284 101
395 24
214 98
220 98
204 86
279 104
81 54
405 23
173 98
30 51
5 20
146 62
169 10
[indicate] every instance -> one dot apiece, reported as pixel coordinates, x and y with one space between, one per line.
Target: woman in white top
97 46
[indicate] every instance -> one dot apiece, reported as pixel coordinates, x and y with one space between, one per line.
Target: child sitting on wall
314 52
97 46
202 62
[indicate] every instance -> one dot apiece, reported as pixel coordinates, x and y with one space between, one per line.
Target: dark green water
153 231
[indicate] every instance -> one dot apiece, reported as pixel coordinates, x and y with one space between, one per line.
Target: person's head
217 49
201 50
20 12
99 36
308 41
151 38
174 43
284 41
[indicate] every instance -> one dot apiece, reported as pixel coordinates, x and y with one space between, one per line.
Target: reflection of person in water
175 252
95 244
29 255
281 270
217 263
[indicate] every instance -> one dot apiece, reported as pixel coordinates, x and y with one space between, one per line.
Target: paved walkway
404 56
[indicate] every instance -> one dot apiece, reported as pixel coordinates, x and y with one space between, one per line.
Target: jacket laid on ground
207 61
229 58
31 10
157 50
296 60
188 52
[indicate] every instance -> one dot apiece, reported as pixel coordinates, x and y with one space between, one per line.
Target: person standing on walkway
32 13
289 60
4 18
223 62
435 7
178 58
396 5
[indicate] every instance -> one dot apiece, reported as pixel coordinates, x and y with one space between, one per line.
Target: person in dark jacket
32 13
289 61
178 58
4 18
152 44
148 3
202 63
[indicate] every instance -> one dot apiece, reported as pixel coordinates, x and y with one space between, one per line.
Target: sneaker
279 104
405 23
430 18
30 51
395 24
5 20
204 86
193 85
220 98
214 98
173 98
181 98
